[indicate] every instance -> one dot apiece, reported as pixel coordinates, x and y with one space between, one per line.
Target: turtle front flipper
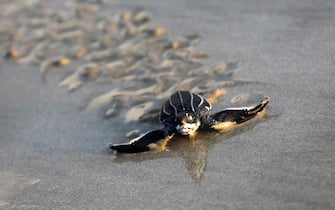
229 117
153 140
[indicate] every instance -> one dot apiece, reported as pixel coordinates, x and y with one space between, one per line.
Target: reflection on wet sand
193 151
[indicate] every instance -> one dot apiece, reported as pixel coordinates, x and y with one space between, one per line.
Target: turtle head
187 123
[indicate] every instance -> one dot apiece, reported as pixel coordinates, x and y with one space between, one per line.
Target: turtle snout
187 128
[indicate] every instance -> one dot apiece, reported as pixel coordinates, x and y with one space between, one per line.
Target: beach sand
53 151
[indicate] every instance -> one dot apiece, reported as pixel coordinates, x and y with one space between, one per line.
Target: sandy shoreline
53 153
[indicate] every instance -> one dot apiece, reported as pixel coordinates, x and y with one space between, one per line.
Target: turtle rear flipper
153 140
231 116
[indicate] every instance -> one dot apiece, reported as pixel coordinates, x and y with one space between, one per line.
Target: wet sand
53 150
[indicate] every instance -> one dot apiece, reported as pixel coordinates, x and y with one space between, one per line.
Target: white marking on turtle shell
192 101
164 110
201 102
181 100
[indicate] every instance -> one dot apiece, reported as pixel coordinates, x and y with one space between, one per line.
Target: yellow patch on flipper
161 145
224 126
261 114
217 93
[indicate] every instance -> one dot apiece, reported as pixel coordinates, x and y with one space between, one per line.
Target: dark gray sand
53 153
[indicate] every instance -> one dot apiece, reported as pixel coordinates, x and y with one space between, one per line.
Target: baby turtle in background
184 113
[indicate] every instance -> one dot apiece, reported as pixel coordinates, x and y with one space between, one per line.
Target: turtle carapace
184 113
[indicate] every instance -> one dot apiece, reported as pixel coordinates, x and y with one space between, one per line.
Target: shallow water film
77 75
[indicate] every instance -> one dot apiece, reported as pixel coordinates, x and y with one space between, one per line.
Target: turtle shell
184 101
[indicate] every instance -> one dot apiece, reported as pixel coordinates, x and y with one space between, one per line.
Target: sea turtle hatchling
184 113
